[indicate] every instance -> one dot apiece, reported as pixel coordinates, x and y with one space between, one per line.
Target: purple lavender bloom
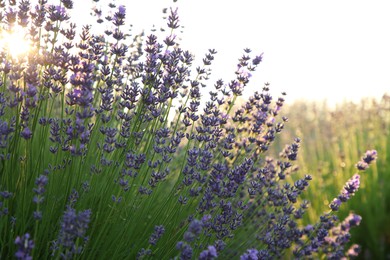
173 19
37 215
251 254
24 8
158 232
11 16
339 236
195 227
353 251
68 4
57 13
5 131
257 59
335 204
208 254
367 159
347 192
362 166
186 250
194 230
143 252
219 245
119 16
352 185
2 204
3 210
31 90
370 156
352 220
73 226
25 246
206 219
41 182
26 133
5 194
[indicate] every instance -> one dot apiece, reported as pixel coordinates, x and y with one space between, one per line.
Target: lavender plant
107 152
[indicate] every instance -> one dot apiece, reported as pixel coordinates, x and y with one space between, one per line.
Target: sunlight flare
15 41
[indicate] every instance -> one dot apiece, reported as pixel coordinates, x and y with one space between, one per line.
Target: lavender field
116 144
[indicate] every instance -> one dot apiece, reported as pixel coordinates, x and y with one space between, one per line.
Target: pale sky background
334 50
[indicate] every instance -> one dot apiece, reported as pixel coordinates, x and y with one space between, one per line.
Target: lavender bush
107 152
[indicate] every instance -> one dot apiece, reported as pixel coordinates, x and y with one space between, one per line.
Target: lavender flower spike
25 246
194 230
251 254
368 158
73 226
158 232
347 192
208 254
26 133
353 184
353 251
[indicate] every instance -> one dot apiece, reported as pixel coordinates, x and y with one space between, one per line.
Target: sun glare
14 41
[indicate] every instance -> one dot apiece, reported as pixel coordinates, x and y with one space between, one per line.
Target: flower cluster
25 246
367 159
40 182
73 227
4 195
158 232
353 184
339 236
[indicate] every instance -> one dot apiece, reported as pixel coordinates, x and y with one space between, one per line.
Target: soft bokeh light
15 41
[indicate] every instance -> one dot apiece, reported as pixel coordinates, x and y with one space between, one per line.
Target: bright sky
312 49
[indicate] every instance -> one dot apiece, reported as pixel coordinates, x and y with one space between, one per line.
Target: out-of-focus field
333 139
